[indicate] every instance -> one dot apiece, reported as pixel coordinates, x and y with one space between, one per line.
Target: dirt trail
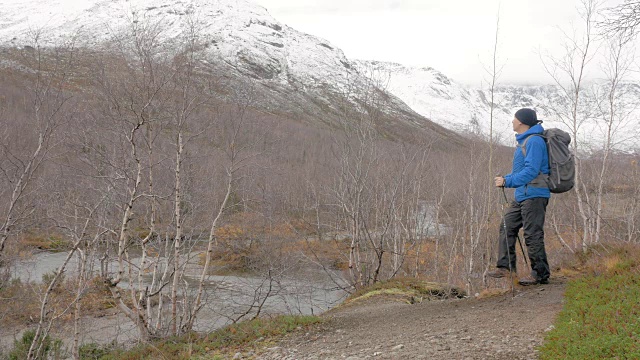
500 327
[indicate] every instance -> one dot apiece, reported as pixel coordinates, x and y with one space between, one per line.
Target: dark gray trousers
528 215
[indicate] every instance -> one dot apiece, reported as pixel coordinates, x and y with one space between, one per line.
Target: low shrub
408 289
51 349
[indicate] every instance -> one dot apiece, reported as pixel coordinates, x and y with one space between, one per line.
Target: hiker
531 198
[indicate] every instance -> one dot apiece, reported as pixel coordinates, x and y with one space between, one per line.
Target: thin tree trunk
82 259
178 239
18 190
209 253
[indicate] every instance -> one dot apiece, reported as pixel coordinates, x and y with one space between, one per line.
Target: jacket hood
535 129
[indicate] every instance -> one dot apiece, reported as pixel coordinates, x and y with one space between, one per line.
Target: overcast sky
454 36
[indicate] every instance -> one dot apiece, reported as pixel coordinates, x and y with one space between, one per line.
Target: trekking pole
524 256
506 243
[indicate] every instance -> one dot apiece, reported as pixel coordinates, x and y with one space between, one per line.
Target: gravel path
499 327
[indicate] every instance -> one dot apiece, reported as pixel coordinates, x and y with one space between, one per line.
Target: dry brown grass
49 242
247 239
492 292
20 302
566 273
405 289
599 259
331 252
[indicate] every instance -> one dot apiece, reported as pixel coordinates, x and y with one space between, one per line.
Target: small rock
237 356
397 347
549 328
377 353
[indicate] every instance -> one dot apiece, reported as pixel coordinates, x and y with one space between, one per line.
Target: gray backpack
561 160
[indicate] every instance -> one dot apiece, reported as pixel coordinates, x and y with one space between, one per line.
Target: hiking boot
498 273
529 280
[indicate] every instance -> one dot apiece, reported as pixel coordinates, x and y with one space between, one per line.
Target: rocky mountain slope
290 73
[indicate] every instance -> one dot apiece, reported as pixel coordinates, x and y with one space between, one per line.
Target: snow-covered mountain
295 74
467 110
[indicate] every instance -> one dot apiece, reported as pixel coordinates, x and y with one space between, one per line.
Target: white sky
453 36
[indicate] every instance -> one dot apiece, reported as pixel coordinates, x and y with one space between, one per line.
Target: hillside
287 73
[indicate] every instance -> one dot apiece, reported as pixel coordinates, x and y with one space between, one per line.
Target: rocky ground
498 327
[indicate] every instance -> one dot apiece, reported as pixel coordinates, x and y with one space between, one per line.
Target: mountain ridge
301 74
466 109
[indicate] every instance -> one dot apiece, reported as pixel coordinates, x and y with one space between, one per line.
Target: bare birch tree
134 107
622 19
494 72
613 113
568 72
48 105
84 227
378 186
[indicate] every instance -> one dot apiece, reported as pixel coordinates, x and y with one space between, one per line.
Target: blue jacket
524 170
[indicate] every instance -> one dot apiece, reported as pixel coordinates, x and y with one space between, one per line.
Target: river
305 292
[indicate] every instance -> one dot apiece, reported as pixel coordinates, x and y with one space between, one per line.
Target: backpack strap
542 180
524 143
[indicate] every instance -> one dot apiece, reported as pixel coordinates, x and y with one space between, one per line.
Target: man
528 177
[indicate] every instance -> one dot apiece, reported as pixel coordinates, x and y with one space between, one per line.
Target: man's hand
499 181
